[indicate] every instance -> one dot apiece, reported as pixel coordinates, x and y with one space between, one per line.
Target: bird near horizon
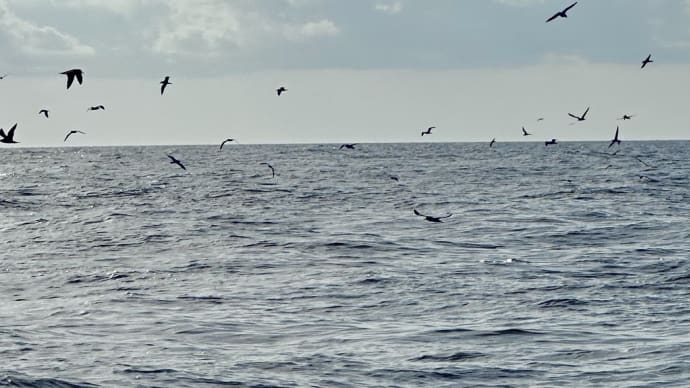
273 171
173 160
44 112
349 146
227 141
72 74
428 131
524 132
72 132
3 76
562 14
579 118
281 90
550 142
615 139
97 107
626 117
646 61
9 137
491 143
165 83
431 218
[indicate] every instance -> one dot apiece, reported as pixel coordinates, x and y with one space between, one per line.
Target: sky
356 71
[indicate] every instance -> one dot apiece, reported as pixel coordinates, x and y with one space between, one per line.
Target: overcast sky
356 71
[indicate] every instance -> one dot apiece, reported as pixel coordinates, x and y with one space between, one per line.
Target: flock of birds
78 75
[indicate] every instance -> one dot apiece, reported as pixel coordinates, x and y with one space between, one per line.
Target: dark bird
491 143
395 178
348 146
428 131
165 83
3 76
72 132
550 142
646 61
615 139
9 137
273 171
540 119
72 74
430 218
96 107
561 13
524 132
281 90
579 118
626 117
175 161
226 141
43 112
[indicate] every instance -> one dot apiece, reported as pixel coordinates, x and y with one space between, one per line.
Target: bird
431 218
72 132
550 142
225 141
615 139
9 137
97 107
491 143
579 118
561 13
524 132
281 90
165 83
348 146
395 178
175 161
540 119
72 74
646 61
43 112
3 76
626 117
428 131
273 171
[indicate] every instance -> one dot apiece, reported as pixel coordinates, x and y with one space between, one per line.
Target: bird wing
70 79
84 133
573 116
447 216
181 165
553 17
341 147
418 213
172 158
585 114
430 128
2 133
163 85
68 135
524 132
10 133
79 78
570 6
221 144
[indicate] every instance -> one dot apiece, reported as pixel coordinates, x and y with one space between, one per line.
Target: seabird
579 118
540 119
165 83
71 132
3 76
615 139
646 61
431 218
175 161
43 112
281 90
225 141
524 132
561 13
273 171
71 74
626 117
9 137
491 143
428 131
348 146
395 178
97 107
550 142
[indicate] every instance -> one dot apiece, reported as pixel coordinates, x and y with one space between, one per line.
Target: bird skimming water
175 161
431 218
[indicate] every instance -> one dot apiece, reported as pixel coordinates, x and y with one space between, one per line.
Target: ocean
560 266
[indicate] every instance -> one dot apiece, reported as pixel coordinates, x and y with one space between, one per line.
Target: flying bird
281 90
348 146
524 132
72 74
579 118
550 142
626 117
226 141
395 178
491 143
540 119
175 161
646 61
561 13
428 131
9 137
615 139
273 171
73 132
3 76
165 83
43 112
97 107
430 218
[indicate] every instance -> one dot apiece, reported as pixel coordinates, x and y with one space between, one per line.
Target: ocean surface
560 266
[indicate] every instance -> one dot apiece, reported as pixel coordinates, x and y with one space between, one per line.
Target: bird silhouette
561 13
273 171
72 74
43 112
646 61
3 76
165 83
579 118
428 131
491 143
350 146
615 139
540 119
226 141
70 133
175 161
281 90
550 142
97 107
626 117
431 218
524 132
9 137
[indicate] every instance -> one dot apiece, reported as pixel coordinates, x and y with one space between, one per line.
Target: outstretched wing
418 213
78 75
573 116
553 17
70 79
570 6
2 133
68 135
585 114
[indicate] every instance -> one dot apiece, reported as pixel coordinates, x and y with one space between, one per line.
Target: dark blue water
561 266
